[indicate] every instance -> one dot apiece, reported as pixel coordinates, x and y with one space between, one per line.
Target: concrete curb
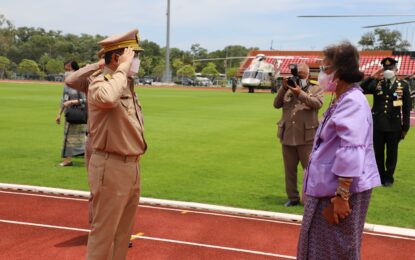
207 207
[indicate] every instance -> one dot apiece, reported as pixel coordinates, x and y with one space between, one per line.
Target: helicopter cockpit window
260 75
248 74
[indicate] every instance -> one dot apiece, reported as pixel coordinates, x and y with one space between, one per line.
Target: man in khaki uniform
116 125
297 127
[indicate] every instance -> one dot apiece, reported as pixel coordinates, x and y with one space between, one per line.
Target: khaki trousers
292 154
114 183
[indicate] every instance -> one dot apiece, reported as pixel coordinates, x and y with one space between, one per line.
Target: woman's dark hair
329 52
74 64
108 55
346 63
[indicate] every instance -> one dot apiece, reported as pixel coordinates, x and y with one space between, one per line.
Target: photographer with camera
300 102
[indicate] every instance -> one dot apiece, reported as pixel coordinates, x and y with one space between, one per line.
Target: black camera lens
291 82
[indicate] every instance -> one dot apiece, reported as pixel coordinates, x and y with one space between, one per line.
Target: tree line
29 52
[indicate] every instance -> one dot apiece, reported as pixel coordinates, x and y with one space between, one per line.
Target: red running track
41 226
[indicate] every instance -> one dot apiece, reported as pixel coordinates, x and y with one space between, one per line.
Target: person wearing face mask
296 129
342 171
74 134
391 116
117 129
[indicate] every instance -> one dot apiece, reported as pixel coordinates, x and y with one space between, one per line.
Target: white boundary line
159 208
154 239
387 230
197 212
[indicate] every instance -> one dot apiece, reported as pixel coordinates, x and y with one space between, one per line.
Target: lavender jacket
343 147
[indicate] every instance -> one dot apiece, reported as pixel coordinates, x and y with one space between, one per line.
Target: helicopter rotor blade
387 24
351 16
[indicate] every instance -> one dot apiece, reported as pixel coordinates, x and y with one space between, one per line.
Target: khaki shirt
81 78
299 121
114 114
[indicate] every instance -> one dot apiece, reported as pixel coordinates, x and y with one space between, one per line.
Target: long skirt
321 240
74 140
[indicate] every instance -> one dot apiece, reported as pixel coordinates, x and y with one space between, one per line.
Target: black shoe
292 203
387 184
130 245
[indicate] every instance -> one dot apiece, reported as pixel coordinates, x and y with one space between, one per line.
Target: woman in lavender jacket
342 168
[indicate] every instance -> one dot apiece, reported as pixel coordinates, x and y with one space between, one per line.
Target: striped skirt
320 240
74 142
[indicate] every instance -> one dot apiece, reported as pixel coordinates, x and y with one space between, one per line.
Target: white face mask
135 66
389 74
325 80
303 82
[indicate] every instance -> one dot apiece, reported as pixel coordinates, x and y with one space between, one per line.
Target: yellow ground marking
136 236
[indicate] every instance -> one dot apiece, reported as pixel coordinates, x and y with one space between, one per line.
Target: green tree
29 68
384 39
210 70
4 62
43 61
176 65
6 35
159 69
146 66
54 66
186 71
232 72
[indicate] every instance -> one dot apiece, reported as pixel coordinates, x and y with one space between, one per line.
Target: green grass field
205 146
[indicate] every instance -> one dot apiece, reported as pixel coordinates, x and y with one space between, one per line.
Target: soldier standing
391 116
116 124
297 127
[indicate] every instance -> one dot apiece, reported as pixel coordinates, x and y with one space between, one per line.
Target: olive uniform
391 119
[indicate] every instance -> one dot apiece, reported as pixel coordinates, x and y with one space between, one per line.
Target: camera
295 79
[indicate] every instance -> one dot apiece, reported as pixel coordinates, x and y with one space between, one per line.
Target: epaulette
380 82
404 80
108 76
96 73
313 82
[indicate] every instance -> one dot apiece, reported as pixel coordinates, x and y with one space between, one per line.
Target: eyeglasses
324 68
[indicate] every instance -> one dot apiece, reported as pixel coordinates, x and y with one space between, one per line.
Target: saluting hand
127 56
101 63
378 74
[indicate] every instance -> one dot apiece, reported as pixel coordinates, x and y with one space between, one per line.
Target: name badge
397 103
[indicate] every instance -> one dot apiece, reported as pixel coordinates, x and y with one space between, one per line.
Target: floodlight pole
167 71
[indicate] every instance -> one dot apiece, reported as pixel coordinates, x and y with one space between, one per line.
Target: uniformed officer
116 124
391 116
297 127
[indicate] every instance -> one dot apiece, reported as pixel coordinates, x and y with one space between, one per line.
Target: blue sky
215 24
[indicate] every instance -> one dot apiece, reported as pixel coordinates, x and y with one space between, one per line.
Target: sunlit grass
207 146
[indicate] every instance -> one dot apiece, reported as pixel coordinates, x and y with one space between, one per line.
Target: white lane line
216 247
43 225
155 239
222 215
388 236
216 214
42 196
161 208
